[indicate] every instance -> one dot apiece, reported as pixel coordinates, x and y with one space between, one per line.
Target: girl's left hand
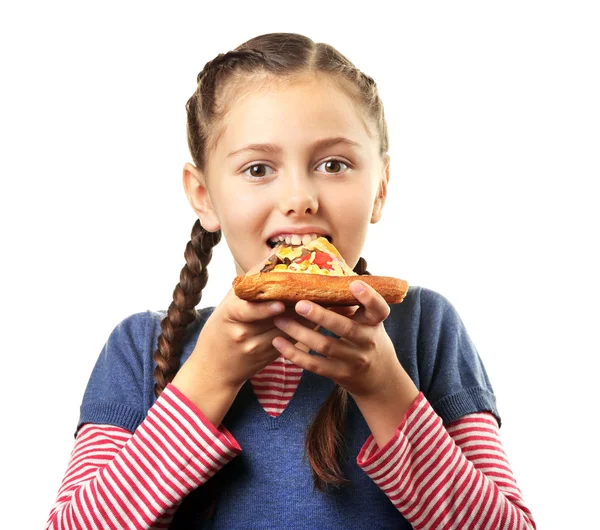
362 360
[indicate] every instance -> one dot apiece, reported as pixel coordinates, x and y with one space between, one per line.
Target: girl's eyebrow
276 149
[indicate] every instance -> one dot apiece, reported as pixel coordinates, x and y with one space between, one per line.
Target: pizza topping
305 257
323 260
319 256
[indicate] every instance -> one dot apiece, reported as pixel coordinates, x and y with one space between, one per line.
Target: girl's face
252 192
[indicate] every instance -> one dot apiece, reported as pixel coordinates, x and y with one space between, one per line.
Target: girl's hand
362 360
236 340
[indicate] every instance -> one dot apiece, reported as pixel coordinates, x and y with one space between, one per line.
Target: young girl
254 415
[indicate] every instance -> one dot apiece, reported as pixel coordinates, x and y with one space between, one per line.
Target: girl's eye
256 173
333 163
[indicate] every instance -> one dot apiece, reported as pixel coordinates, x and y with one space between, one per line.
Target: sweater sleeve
446 478
451 373
118 479
117 392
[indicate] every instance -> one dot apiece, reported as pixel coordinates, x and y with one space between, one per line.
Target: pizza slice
316 272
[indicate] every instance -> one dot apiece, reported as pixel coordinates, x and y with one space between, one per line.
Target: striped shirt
438 477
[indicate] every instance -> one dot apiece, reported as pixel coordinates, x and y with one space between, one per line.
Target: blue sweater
269 485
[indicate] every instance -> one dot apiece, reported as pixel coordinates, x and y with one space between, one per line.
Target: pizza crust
290 287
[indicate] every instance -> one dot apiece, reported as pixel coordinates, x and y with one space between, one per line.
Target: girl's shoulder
423 296
434 347
135 337
159 314
120 387
153 318
424 306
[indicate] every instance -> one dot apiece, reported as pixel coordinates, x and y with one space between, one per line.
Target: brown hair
280 56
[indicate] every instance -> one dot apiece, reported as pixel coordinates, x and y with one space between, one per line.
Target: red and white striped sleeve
447 478
118 479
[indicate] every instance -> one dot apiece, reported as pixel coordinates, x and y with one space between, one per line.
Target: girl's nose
299 197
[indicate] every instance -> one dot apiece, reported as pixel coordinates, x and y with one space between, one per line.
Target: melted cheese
338 266
289 252
323 245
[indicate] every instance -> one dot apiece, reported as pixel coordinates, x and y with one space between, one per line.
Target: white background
493 114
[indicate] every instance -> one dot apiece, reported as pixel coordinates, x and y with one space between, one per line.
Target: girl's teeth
296 239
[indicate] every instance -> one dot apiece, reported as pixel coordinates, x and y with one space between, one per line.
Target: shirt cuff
372 457
205 429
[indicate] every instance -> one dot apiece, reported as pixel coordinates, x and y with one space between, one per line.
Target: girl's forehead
296 112
291 97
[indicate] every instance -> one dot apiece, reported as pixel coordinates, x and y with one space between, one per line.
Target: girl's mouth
273 244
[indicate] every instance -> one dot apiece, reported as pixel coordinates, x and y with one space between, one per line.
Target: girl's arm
446 478
420 468
116 479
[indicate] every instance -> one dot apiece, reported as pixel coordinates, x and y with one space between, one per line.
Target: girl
376 416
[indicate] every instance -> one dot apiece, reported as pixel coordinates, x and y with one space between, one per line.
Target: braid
248 59
182 311
230 60
368 79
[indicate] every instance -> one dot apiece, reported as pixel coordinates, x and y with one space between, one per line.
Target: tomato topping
302 258
323 260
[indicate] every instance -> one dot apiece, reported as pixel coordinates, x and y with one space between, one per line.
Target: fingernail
357 287
276 307
303 308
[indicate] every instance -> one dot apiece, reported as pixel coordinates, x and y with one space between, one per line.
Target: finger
374 309
264 342
325 345
339 324
239 310
347 311
290 312
244 331
279 332
318 365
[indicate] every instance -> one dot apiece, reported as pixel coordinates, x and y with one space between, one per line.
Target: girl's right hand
236 340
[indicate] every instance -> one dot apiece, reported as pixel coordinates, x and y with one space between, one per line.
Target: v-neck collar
248 399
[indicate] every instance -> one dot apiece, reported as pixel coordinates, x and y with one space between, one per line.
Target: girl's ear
381 192
194 183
